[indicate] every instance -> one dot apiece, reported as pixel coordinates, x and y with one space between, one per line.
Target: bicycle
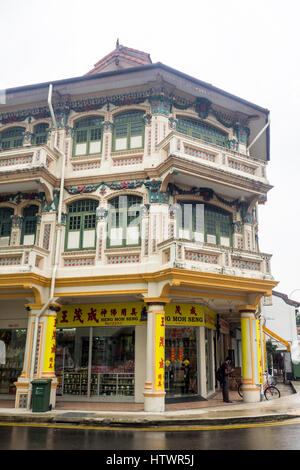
270 391
238 385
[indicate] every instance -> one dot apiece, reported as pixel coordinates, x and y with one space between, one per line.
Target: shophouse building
129 246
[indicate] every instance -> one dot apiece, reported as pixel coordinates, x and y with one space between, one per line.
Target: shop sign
101 315
50 342
133 314
159 350
224 327
259 353
184 314
210 318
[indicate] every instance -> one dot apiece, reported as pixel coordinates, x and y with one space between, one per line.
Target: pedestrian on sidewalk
226 369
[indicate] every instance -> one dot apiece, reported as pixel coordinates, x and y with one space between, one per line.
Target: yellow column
154 392
252 367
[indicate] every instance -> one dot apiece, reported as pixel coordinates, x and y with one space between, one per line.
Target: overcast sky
250 49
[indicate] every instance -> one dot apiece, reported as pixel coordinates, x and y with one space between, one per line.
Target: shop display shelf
108 383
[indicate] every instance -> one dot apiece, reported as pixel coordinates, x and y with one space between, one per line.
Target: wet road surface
279 436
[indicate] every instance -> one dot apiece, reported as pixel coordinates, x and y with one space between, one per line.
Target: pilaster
154 392
252 367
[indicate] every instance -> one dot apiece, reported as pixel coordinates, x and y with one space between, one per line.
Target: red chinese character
161 341
113 312
177 310
92 315
161 363
123 312
54 335
133 312
53 349
77 315
162 321
103 312
193 311
64 317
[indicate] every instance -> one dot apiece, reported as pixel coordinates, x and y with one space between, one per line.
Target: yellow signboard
259 353
101 315
49 356
210 318
184 314
133 314
159 350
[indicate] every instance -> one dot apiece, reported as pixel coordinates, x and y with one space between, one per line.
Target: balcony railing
214 156
26 158
27 258
214 258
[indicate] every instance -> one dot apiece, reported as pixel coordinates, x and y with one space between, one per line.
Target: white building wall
280 318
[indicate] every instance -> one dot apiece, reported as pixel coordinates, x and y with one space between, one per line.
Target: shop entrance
93 362
181 374
12 349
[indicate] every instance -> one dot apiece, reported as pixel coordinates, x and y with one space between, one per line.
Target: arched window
87 136
81 225
124 221
5 225
12 138
29 225
201 130
204 223
40 133
128 130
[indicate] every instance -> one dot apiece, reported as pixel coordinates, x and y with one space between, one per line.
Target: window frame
81 217
6 221
89 129
220 138
122 215
211 214
27 220
39 135
129 123
17 142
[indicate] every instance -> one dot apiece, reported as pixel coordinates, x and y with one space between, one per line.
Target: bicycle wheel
271 393
240 390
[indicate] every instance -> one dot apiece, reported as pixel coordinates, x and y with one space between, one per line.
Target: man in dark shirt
226 368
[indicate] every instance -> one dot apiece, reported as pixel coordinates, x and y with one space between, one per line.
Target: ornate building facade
129 246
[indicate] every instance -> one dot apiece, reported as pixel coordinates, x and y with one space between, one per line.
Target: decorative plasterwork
161 97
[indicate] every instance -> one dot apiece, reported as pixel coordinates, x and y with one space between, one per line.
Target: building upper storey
132 133
128 114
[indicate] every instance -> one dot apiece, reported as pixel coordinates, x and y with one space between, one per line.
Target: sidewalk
211 412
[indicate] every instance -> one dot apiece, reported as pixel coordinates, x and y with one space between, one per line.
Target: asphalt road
275 436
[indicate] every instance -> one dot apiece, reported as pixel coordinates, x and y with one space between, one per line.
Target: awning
278 338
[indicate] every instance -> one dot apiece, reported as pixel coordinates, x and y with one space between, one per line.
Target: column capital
247 308
156 300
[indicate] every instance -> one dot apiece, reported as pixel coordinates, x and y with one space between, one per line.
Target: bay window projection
124 221
204 223
87 136
81 225
128 131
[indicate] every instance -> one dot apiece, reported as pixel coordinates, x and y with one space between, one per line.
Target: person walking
226 369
